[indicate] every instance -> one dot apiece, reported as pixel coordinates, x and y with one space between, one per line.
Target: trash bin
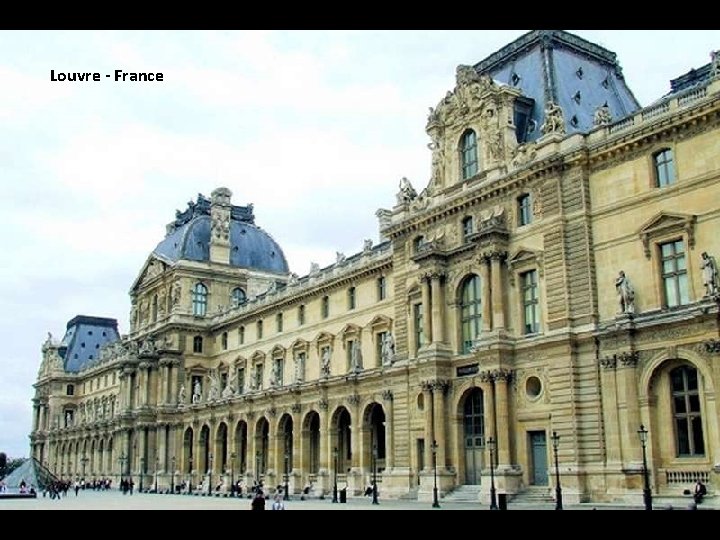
343 495
502 501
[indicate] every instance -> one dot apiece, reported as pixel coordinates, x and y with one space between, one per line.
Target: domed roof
251 247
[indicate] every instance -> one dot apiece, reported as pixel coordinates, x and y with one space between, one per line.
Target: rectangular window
223 380
240 380
381 288
301 315
664 168
524 210
325 308
674 273
351 298
70 390
279 322
224 341
418 318
278 370
258 376
467 226
241 335
197 345
348 350
379 340
531 311
259 329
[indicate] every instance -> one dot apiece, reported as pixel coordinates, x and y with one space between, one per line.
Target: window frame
665 165
200 293
469 167
675 275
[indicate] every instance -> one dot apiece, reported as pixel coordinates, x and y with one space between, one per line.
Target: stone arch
285 442
471 428
187 453
341 437
262 439
204 446
311 442
649 368
221 448
373 435
241 446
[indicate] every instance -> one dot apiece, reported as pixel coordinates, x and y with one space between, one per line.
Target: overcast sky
314 128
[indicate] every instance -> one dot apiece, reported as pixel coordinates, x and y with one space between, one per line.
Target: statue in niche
214 393
625 294
181 395
388 349
325 362
554 122
229 390
197 392
299 367
355 356
710 274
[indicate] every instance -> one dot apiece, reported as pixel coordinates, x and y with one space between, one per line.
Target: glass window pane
683 289
680 405
676 380
697 431
680 262
666 250
692 378
670 295
682 437
694 401
668 266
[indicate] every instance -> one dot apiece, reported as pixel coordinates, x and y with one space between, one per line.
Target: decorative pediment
258 356
381 321
324 337
240 361
153 267
278 351
299 345
350 330
667 223
525 259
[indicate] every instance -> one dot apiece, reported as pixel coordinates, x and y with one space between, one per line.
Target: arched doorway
221 448
262 432
343 440
311 440
474 435
187 455
204 465
241 446
101 458
375 426
286 435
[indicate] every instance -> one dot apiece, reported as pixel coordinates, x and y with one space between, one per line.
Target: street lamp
374 466
142 472
157 466
210 456
172 480
493 499
84 461
232 474
558 490
436 503
335 457
286 496
121 460
647 494
190 484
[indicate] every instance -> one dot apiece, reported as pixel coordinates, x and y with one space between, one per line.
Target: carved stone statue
603 116
293 280
554 122
229 390
407 193
197 392
181 397
388 349
367 245
275 375
214 393
339 258
299 367
176 291
325 362
68 419
625 294
314 269
355 356
710 274
714 63
438 160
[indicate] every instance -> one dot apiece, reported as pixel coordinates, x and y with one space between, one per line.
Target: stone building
556 275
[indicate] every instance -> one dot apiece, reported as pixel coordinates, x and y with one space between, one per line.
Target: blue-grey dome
250 246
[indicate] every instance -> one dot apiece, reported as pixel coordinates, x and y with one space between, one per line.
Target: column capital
387 395
353 399
323 404
296 407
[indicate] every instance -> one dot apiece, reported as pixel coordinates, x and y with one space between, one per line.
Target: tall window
467 226
381 288
197 344
325 307
70 390
154 308
674 273
531 313
224 340
351 298
301 315
238 297
664 168
241 335
418 244
418 318
524 210
468 154
258 376
470 312
686 410
279 371
259 329
199 294
240 380
279 322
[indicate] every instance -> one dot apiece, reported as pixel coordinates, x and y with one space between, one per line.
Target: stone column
613 447
162 382
161 445
489 405
438 316
497 291
439 388
428 400
326 444
629 414
502 416
486 302
36 417
427 326
389 430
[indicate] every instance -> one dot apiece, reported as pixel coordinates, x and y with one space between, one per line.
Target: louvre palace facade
556 275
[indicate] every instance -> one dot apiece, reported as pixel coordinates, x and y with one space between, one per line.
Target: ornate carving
709 274
715 63
353 399
340 258
629 358
388 349
387 395
272 411
609 362
407 192
314 269
323 404
524 154
554 122
502 375
197 393
602 116
367 246
625 294
712 346
296 407
181 397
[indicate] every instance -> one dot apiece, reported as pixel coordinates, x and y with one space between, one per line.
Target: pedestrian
278 503
258 503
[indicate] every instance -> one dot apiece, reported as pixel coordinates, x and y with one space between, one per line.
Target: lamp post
232 474
436 503
84 461
157 466
121 460
493 499
210 456
190 484
335 457
257 467
647 494
142 472
374 466
172 479
558 490
286 495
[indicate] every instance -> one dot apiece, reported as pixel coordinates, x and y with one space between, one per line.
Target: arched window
468 154
199 294
686 411
470 312
238 297
664 167
467 226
